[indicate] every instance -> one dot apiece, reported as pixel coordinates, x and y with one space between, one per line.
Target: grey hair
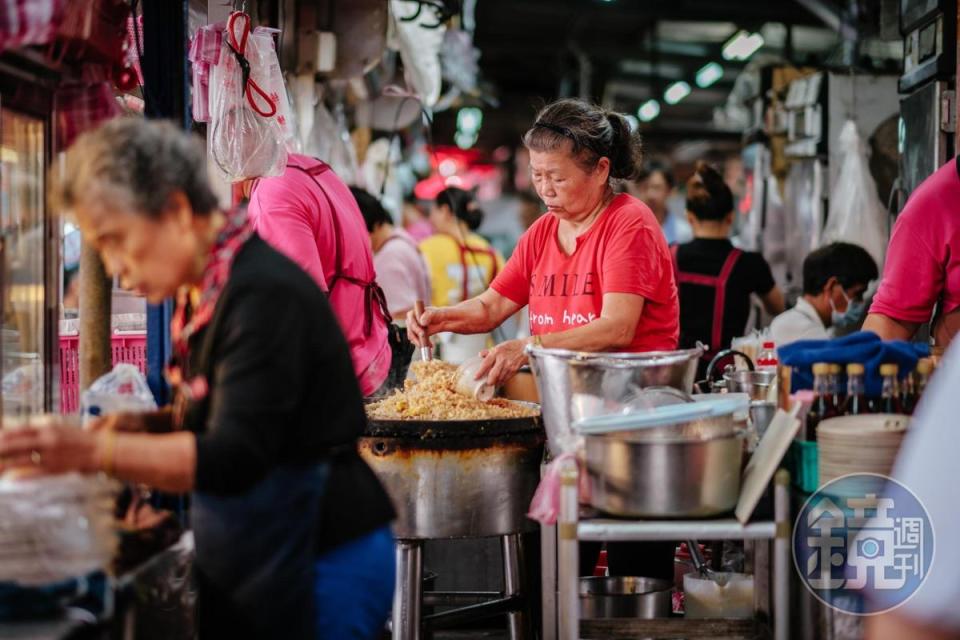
591 133
134 165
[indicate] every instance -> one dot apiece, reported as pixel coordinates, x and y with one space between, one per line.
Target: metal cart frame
560 554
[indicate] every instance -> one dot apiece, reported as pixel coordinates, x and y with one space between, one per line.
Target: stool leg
407 596
513 583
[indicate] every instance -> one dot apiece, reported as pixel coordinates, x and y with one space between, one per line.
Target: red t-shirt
623 252
923 258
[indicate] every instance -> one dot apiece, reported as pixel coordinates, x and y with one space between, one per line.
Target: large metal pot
457 479
575 385
625 597
691 469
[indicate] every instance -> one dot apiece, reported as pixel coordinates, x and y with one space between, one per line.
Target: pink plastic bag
545 506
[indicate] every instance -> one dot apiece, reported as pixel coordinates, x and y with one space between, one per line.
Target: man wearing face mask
835 278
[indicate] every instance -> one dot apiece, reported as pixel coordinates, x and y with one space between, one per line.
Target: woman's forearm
477 315
603 334
167 462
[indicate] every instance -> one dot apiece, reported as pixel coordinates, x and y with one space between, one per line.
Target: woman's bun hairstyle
626 150
591 133
458 201
708 196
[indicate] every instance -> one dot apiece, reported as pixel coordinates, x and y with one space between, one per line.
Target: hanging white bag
856 214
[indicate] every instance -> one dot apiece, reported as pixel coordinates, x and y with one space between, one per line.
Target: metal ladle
720 579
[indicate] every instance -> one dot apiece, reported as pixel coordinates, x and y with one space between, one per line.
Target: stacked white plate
859 444
55 527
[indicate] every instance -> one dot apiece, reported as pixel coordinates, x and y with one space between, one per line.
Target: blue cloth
864 347
353 588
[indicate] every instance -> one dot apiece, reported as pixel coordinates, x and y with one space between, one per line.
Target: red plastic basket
128 348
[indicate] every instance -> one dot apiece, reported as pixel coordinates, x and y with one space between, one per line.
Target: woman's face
654 191
440 216
569 192
153 257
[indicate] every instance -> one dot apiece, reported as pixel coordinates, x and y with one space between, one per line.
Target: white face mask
849 318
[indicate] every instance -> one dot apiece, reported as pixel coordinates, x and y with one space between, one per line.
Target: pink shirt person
292 213
401 272
923 258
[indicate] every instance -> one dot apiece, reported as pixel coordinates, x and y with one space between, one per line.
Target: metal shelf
628 531
560 555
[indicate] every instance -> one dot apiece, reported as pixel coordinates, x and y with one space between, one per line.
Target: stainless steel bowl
575 385
625 597
756 383
692 472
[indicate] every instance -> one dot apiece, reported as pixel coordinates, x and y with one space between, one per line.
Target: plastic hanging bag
246 138
123 390
856 214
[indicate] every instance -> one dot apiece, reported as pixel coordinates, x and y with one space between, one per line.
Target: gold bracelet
537 341
110 445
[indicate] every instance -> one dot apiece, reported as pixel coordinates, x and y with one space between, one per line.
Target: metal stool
409 597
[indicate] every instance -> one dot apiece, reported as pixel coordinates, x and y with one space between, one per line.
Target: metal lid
855 369
821 369
661 416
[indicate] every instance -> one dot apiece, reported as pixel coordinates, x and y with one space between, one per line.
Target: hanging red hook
239 49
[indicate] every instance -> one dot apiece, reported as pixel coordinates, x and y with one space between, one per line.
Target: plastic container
803 465
128 348
730 596
468 385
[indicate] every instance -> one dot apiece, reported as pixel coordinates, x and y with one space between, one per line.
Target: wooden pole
95 301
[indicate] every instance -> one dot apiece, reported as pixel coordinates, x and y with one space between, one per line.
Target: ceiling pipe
830 17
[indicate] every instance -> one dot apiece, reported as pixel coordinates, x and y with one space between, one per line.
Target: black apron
256 556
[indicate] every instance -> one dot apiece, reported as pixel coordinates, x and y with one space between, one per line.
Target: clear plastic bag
123 390
856 214
246 138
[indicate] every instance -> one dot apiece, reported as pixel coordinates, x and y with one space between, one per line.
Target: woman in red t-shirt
595 271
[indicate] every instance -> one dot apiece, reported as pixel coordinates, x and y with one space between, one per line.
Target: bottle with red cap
767 361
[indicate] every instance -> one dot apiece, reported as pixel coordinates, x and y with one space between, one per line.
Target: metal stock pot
575 385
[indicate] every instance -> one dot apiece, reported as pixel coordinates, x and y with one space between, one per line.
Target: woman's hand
420 328
502 361
49 450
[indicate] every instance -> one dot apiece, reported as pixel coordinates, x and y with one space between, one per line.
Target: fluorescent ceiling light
742 45
465 140
676 92
648 110
709 74
469 119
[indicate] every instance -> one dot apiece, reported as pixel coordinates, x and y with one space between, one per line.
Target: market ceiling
630 51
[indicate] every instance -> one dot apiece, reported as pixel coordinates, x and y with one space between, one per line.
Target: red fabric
719 285
623 252
923 258
29 22
187 321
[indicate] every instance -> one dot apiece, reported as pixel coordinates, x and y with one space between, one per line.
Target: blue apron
256 555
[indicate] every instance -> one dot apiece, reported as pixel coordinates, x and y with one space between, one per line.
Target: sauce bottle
837 386
890 391
856 401
823 405
921 377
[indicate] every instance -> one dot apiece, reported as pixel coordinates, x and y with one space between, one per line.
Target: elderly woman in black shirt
291 526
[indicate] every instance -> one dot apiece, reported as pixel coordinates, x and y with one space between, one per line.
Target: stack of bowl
859 444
